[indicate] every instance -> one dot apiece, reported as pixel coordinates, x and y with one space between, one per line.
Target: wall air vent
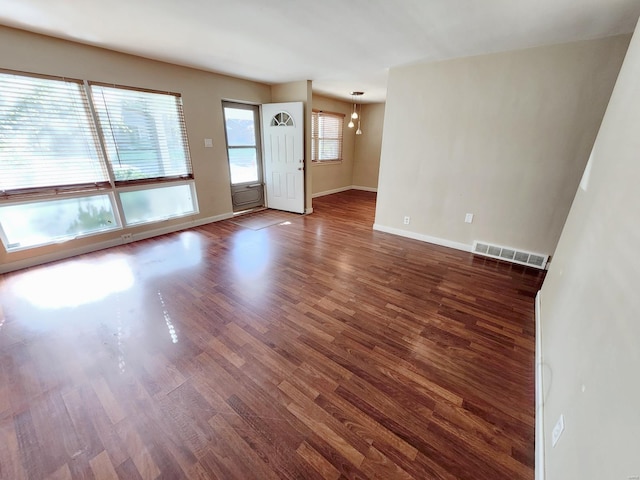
510 254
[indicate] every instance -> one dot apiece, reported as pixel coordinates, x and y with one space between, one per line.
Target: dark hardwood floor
313 349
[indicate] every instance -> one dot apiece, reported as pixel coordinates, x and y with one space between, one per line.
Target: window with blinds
326 136
144 134
48 141
55 182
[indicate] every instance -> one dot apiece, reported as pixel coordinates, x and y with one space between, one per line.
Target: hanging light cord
354 114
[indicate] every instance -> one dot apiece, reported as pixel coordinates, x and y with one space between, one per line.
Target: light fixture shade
351 124
354 115
358 131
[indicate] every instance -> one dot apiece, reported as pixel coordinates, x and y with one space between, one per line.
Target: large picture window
326 136
67 153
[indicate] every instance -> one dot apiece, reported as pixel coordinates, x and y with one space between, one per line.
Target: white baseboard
344 189
330 192
73 252
309 210
423 238
539 454
365 189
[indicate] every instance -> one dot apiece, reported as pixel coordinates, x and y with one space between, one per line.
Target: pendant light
355 115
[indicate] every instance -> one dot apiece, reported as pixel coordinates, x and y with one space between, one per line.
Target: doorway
244 152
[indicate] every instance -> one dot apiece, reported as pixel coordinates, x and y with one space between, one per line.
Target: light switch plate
557 431
468 218
208 142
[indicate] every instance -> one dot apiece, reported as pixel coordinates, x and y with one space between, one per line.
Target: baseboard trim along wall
539 454
365 189
344 189
72 252
330 192
423 238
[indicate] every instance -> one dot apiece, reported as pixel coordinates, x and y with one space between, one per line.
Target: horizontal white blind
47 138
144 133
326 136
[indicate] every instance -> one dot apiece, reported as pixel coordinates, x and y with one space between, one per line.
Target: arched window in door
282 119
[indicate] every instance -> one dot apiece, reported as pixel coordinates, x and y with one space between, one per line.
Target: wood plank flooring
317 349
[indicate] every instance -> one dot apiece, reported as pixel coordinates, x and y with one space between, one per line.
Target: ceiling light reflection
167 319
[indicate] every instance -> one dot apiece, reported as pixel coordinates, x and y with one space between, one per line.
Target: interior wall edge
539 416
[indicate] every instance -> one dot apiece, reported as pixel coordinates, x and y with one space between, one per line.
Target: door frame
257 122
302 166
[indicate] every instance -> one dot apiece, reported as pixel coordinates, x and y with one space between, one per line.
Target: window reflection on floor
182 251
71 284
251 254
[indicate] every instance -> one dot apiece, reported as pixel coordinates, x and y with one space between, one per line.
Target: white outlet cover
208 142
468 218
557 431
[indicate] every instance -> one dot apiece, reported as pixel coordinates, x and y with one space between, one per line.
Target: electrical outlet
127 237
208 143
407 220
468 218
557 431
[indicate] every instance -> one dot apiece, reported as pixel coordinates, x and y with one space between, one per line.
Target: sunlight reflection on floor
71 284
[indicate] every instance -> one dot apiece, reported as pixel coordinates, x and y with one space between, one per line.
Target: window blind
326 136
48 140
144 134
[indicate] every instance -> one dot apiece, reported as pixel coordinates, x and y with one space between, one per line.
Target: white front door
283 132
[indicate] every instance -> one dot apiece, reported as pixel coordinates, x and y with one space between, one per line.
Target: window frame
316 139
111 187
50 198
146 186
56 189
102 128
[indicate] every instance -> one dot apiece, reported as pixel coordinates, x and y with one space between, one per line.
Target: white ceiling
342 45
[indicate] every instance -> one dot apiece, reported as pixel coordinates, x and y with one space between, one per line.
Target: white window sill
326 162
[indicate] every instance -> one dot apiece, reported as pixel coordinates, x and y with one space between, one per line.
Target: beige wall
299 92
333 176
202 94
590 305
368 145
504 136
